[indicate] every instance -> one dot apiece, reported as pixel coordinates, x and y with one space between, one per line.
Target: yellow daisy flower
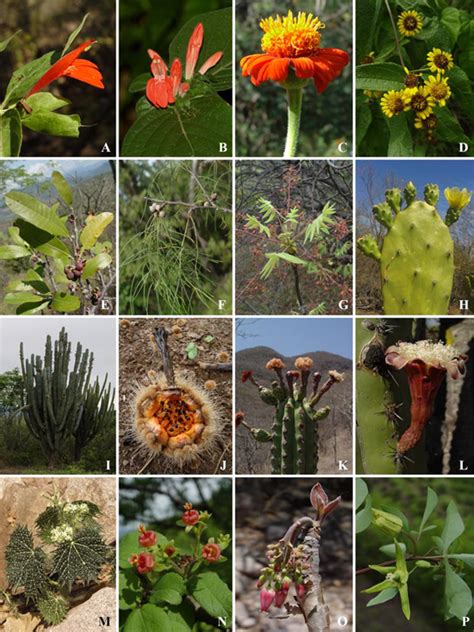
429 123
410 23
439 60
394 102
439 89
421 102
457 198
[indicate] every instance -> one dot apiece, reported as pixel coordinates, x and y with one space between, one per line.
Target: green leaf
398 513
27 309
192 350
217 37
74 34
363 119
270 265
18 298
380 77
450 130
148 618
130 589
35 212
26 566
390 551
53 123
321 223
462 92
431 502
45 101
290 258
25 77
254 224
62 187
208 339
81 557
214 596
405 601
99 262
364 517
400 141
14 252
63 302
195 129
43 242
36 281
367 23
170 588
457 594
139 83
450 19
14 233
382 597
95 226
11 134
128 546
453 526
362 491
182 617
5 42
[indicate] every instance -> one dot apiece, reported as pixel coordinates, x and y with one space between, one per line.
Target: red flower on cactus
320 501
161 89
293 42
246 375
71 66
190 515
146 563
147 538
211 552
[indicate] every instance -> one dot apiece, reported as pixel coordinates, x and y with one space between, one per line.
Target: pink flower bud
280 597
266 599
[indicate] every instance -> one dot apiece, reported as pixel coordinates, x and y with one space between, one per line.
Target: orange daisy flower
294 42
71 66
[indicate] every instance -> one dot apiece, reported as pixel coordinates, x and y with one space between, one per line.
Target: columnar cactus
57 402
294 433
416 258
98 411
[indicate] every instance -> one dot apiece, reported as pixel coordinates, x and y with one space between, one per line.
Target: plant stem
409 558
299 298
295 99
397 41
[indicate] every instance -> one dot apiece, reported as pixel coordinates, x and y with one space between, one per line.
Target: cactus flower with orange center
71 66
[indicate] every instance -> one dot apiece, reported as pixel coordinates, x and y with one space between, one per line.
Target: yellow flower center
291 36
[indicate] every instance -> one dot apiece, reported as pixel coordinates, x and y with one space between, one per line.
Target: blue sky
444 173
292 336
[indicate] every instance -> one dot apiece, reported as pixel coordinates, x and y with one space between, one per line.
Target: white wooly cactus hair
192 446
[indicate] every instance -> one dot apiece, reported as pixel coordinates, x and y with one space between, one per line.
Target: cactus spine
294 433
417 254
57 403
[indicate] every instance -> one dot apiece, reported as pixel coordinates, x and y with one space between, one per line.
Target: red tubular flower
71 66
190 515
147 538
192 54
293 42
266 599
146 563
280 597
320 501
425 364
211 552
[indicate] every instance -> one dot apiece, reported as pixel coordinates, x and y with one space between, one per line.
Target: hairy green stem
295 99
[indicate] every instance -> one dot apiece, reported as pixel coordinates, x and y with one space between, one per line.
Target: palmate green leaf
45 101
169 588
25 77
26 565
457 594
431 502
14 252
5 42
195 129
53 608
43 241
35 212
213 595
385 595
453 526
11 134
217 37
53 123
99 262
65 303
321 223
95 226
254 224
266 210
148 618
62 187
74 34
380 77
81 557
269 266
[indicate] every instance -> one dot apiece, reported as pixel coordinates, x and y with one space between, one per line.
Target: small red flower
301 590
146 563
190 515
246 375
169 550
71 66
280 597
266 599
147 538
211 552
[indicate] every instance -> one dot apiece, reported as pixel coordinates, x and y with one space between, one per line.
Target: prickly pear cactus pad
417 265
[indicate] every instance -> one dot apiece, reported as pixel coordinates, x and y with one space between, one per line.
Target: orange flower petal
86 71
157 92
194 46
304 67
276 70
209 63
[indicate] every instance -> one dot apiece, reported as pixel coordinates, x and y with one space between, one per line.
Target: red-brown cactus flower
246 375
211 552
426 364
71 66
316 381
190 515
320 501
266 599
147 538
146 563
239 417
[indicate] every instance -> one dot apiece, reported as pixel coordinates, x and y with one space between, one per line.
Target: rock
21 623
86 616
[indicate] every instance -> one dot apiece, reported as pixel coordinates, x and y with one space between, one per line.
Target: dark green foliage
26 565
81 557
53 608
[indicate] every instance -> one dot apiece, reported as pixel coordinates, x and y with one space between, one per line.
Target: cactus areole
417 254
294 432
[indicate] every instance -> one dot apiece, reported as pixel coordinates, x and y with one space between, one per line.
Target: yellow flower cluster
422 95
